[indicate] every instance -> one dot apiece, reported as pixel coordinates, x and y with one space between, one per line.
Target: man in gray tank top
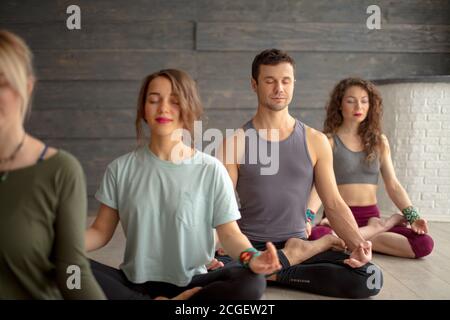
273 202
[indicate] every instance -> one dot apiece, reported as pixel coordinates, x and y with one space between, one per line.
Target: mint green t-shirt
168 212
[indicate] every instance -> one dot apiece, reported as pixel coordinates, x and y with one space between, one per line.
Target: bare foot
335 243
395 220
383 225
379 225
298 250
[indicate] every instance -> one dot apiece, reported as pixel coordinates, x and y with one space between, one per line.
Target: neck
349 128
10 137
162 147
269 119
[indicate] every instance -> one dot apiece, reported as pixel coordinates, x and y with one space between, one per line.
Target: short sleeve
225 204
107 191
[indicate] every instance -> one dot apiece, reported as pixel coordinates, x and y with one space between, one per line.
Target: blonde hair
186 90
16 66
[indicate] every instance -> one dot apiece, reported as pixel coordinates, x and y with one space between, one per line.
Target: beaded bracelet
411 214
247 255
310 215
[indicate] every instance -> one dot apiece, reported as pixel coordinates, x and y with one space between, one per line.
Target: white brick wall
417 124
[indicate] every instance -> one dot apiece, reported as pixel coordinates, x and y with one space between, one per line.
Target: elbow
332 206
95 239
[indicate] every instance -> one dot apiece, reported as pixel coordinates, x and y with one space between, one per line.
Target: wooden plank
85 94
415 275
321 37
26 11
108 65
67 123
174 35
134 65
400 12
328 66
439 232
392 288
97 151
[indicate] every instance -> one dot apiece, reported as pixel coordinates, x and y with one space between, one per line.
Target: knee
368 283
251 286
422 246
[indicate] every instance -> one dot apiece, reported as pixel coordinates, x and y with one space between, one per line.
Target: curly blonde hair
370 129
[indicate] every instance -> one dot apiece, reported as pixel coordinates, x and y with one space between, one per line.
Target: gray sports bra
351 167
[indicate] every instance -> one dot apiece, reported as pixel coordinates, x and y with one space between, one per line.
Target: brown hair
16 65
370 129
183 86
270 57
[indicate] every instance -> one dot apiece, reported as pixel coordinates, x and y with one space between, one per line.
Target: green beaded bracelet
310 215
411 214
247 255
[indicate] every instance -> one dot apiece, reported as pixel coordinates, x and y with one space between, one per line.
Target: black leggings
234 283
324 274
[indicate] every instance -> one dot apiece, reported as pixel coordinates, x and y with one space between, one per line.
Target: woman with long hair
360 153
169 198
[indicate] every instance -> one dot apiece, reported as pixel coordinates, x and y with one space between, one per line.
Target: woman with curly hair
360 152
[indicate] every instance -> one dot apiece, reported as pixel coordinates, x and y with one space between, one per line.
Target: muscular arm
338 213
314 202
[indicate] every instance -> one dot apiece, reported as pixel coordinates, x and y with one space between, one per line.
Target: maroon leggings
422 245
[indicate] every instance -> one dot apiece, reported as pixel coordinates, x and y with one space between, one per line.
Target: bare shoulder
237 135
232 148
317 143
315 136
384 139
384 144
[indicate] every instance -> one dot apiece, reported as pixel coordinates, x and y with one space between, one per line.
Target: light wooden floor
427 278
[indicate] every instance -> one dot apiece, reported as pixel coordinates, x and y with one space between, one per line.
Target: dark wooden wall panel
89 79
88 94
332 65
117 65
345 11
336 37
393 11
96 35
24 11
108 65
